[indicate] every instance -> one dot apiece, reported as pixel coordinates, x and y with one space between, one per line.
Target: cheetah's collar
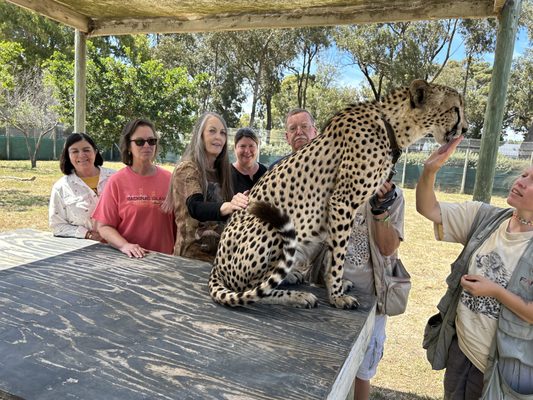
396 151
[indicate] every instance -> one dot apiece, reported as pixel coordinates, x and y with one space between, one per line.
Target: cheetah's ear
418 92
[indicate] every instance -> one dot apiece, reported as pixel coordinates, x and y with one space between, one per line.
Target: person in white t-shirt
484 286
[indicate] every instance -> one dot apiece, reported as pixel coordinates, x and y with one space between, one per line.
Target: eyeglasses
141 142
294 128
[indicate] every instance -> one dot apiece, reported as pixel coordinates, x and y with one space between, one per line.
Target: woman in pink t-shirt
129 212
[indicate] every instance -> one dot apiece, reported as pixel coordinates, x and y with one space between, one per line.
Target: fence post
404 166
465 167
7 142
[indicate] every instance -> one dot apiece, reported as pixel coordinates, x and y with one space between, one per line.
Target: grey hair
195 152
295 111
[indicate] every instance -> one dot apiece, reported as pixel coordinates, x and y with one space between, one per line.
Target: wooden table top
83 321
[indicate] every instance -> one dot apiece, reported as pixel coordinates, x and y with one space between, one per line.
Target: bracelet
386 219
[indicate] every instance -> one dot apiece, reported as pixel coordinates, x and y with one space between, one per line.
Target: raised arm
426 201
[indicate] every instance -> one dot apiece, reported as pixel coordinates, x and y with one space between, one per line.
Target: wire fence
458 175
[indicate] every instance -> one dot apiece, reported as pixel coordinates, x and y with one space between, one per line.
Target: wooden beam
492 125
362 13
57 12
80 86
498 6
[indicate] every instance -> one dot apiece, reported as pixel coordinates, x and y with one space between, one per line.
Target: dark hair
64 161
129 129
245 132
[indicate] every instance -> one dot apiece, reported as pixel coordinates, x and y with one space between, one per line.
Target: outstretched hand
437 159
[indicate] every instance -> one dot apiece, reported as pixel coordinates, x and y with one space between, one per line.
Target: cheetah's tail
282 223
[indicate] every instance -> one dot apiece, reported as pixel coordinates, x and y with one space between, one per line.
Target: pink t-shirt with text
131 203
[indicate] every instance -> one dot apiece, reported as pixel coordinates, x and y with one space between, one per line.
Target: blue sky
352 76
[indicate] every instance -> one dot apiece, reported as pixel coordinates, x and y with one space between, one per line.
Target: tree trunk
268 103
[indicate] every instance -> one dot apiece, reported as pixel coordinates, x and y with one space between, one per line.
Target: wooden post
492 125
465 168
80 89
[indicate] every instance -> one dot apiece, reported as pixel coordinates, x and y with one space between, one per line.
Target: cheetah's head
438 108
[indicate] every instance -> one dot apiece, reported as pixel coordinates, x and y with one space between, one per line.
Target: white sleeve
457 219
57 216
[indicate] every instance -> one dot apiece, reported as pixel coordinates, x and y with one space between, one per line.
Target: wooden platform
80 320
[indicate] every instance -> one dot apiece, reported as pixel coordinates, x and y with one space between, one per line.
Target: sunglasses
141 142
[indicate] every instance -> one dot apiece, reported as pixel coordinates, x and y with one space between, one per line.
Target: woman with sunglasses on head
129 213
74 196
201 193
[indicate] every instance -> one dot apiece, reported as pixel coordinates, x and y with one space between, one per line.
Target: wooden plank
364 13
93 323
498 6
113 17
56 11
15 245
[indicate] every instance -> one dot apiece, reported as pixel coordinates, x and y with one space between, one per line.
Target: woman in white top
74 196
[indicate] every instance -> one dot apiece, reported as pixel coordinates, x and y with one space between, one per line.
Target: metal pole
492 125
404 165
465 168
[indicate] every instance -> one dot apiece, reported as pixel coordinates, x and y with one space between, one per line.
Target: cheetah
308 201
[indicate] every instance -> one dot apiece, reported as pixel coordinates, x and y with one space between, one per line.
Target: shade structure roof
119 17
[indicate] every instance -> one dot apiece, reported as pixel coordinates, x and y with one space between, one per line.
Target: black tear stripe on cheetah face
309 199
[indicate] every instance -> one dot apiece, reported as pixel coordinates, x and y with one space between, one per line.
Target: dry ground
404 372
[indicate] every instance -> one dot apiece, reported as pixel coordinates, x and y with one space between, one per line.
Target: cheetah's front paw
343 301
303 300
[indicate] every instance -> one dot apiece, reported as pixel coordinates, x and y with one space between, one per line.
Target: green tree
325 96
28 107
259 56
10 62
519 108
479 38
310 42
40 37
118 91
392 55
476 93
222 90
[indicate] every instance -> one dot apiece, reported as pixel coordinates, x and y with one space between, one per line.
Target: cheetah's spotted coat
309 199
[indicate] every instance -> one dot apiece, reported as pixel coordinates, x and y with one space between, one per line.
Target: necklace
522 220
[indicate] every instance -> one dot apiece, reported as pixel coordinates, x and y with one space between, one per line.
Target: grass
403 374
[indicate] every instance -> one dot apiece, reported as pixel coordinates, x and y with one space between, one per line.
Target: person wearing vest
376 234
483 333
